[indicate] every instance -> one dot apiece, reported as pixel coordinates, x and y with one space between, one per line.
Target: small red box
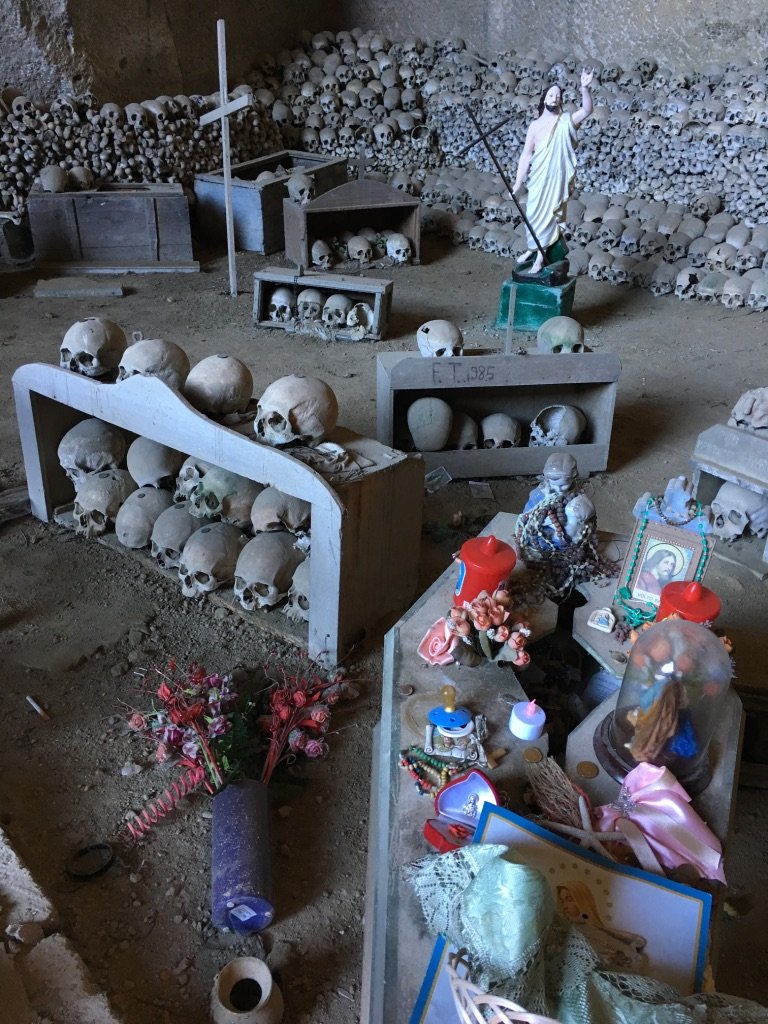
458 804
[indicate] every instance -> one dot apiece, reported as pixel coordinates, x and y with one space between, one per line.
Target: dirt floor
77 619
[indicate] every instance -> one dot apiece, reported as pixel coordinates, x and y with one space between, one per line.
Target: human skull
309 304
301 188
429 421
153 357
335 311
138 514
172 529
297 605
686 282
464 435
209 557
92 347
500 431
81 178
737 511
296 409
758 294
265 569
439 338
190 475
274 510
360 249
219 385
735 292
89 447
751 412
225 496
560 334
152 464
557 425
398 248
322 255
98 499
282 306
54 179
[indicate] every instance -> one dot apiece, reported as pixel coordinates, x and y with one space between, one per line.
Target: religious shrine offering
670 702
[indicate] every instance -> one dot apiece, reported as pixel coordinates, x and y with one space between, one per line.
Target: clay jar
244 993
429 421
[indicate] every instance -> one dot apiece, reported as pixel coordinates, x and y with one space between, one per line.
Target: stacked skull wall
211 527
657 143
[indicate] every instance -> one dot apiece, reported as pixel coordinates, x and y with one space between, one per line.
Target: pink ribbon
659 806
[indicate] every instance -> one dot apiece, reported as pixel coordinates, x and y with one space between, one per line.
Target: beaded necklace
429 773
635 615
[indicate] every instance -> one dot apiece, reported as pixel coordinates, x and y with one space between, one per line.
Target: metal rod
226 159
484 139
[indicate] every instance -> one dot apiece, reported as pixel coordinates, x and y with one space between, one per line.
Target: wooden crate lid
361 194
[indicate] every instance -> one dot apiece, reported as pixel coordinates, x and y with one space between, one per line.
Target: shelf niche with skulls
519 387
363 528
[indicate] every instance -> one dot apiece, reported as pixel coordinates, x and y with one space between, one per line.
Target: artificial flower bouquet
482 629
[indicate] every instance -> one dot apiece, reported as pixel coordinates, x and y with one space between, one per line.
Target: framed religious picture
659 554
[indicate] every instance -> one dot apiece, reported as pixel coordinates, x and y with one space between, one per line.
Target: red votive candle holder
690 600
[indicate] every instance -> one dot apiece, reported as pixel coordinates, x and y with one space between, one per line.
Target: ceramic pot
244 993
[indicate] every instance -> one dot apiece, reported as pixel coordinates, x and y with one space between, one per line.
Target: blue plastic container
241 858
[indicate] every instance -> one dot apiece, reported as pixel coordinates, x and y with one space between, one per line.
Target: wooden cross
222 113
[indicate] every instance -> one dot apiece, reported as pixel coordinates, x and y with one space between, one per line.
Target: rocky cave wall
681 34
128 49
124 50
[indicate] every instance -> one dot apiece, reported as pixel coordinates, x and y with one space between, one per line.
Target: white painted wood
365 532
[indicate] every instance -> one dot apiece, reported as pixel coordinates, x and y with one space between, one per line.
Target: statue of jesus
549 154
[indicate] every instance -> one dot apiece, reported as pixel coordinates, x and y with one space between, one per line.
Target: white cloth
550 182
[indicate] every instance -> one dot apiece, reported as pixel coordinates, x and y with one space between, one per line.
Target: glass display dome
669 703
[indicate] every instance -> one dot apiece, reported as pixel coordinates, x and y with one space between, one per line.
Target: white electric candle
527 720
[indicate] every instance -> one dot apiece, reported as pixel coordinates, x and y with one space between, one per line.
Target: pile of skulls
361 247
352 94
434 426
694 251
76 143
313 307
697 251
210 527
740 509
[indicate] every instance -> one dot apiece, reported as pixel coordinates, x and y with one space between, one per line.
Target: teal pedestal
526 306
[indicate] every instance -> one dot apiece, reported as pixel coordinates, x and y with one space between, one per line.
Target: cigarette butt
495 756
38 708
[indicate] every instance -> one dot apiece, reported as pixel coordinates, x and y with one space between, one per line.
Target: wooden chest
113 229
357 204
376 292
257 207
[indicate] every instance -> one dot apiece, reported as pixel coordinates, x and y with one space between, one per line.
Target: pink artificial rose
458 614
483 621
297 740
516 640
320 715
316 748
299 698
438 644
137 722
501 634
161 754
499 615
522 660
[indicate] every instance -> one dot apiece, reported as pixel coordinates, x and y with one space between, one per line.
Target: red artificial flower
299 698
164 692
